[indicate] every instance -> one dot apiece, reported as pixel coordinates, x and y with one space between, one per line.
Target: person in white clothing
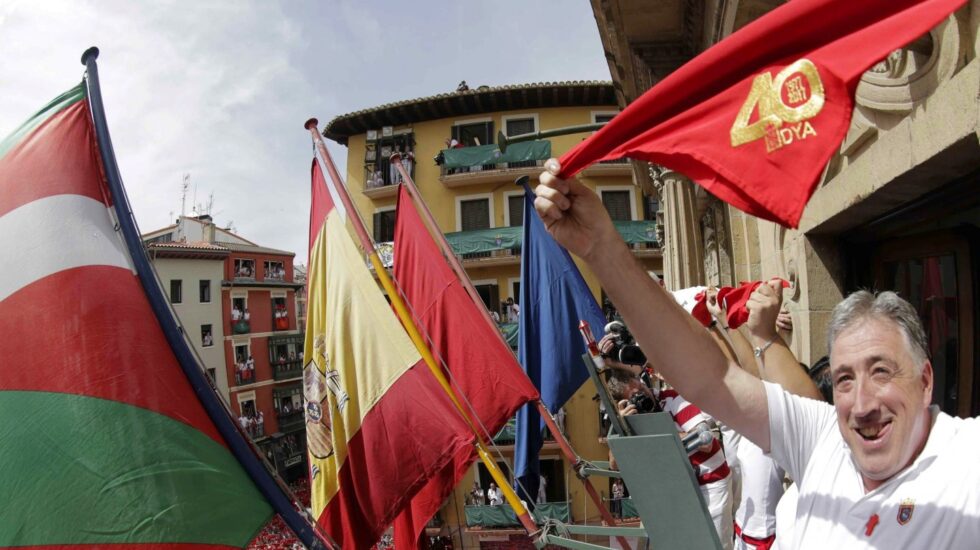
879 469
495 496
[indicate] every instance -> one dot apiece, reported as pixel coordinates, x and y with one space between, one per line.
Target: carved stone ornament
912 73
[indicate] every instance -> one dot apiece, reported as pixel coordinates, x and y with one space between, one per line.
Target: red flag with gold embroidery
755 118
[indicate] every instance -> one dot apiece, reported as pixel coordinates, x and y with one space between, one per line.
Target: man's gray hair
884 305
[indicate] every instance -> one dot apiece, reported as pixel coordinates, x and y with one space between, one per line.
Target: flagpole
408 322
449 253
239 446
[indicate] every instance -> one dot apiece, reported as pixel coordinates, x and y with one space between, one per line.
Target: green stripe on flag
82 470
57 104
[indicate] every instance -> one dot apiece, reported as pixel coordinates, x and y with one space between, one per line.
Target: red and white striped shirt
710 465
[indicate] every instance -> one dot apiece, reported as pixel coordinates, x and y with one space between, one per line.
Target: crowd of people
253 424
276 535
880 467
244 370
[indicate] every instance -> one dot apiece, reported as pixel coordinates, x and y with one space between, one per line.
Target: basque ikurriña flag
481 365
554 299
755 118
106 439
378 424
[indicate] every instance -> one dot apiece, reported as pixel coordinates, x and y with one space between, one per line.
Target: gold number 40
766 93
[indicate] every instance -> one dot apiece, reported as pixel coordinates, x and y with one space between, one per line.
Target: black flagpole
240 447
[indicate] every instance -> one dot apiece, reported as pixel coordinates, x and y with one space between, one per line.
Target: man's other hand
763 307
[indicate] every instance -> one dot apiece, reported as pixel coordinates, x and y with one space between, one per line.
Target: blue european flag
554 298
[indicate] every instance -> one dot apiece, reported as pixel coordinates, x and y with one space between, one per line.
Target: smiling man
879 469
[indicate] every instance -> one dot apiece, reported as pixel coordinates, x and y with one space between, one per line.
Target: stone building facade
897 206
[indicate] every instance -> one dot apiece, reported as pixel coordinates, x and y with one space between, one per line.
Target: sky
220 90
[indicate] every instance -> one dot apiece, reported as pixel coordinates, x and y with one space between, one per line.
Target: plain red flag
755 118
732 299
483 369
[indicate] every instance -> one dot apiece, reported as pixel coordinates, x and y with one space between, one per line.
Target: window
244 269
651 205
474 214
280 315
474 134
515 209
378 170
490 296
602 118
207 338
617 203
176 287
211 375
244 365
516 127
384 226
274 271
205 292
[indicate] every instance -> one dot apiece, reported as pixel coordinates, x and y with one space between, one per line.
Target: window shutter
474 214
617 203
515 206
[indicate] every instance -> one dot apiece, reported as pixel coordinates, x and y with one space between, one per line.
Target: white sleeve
796 426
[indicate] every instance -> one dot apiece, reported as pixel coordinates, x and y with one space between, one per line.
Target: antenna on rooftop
183 194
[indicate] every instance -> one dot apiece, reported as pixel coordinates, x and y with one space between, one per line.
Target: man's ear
926 378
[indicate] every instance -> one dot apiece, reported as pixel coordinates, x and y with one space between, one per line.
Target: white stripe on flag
53 234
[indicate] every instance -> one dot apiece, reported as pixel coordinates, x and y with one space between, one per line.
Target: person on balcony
236 314
495 496
618 492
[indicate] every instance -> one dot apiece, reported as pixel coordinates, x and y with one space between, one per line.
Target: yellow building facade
474 199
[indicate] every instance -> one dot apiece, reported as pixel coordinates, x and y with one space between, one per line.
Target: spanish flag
378 423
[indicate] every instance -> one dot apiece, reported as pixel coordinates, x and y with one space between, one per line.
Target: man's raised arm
672 340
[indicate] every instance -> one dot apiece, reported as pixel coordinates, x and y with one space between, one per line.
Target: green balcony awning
509 330
490 154
505 238
503 515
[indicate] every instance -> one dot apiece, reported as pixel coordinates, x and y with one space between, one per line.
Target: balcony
291 421
382 181
508 434
503 517
288 369
485 163
240 327
623 509
608 168
502 245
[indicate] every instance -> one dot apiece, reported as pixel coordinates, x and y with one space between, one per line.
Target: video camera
625 349
642 402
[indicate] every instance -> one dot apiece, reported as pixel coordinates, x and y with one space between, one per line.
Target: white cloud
220 90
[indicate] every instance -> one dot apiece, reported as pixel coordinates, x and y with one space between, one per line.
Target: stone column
683 250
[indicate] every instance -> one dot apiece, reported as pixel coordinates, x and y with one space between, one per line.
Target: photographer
636 396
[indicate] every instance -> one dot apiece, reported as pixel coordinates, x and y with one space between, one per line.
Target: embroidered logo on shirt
905 511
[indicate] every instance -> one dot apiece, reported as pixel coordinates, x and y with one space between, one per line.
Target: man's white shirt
934 503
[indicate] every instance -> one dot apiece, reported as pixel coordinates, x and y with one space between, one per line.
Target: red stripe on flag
411 433
90 331
482 367
56 158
